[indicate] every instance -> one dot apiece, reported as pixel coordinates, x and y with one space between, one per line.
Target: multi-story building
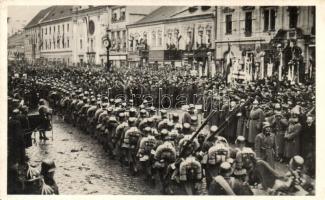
249 30
56 35
16 49
32 41
174 34
120 17
89 28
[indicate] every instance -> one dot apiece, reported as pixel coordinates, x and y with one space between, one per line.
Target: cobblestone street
82 165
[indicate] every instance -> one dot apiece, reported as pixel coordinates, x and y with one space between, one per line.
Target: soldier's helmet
41 102
152 110
175 117
142 107
194 121
143 112
296 163
163 113
213 129
133 112
225 169
132 121
240 140
179 127
164 132
147 130
47 166
186 126
15 112
170 125
266 125
145 102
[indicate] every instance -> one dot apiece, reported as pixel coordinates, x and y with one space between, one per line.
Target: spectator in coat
308 144
292 136
265 146
256 118
279 125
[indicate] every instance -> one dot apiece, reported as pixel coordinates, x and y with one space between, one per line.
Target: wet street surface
83 167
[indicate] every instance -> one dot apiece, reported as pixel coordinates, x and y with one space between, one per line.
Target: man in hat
188 114
265 147
16 145
292 136
308 143
256 118
45 116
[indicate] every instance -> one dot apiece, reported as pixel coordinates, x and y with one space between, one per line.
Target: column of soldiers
144 137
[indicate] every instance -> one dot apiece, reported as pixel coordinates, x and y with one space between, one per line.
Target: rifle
228 118
187 143
220 128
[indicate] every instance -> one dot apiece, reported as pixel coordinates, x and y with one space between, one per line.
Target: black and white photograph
161 99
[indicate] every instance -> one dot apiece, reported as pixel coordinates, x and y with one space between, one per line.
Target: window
58 29
115 16
269 19
159 38
62 28
46 31
80 44
293 17
53 29
124 39
314 20
50 31
113 36
68 43
67 27
248 23
228 24
122 14
153 37
91 45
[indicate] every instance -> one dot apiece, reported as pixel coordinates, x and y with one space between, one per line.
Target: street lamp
107 44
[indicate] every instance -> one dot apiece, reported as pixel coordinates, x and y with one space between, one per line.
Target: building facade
89 27
48 35
258 33
176 35
16 47
120 17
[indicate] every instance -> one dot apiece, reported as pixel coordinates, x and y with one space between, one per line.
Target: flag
228 60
